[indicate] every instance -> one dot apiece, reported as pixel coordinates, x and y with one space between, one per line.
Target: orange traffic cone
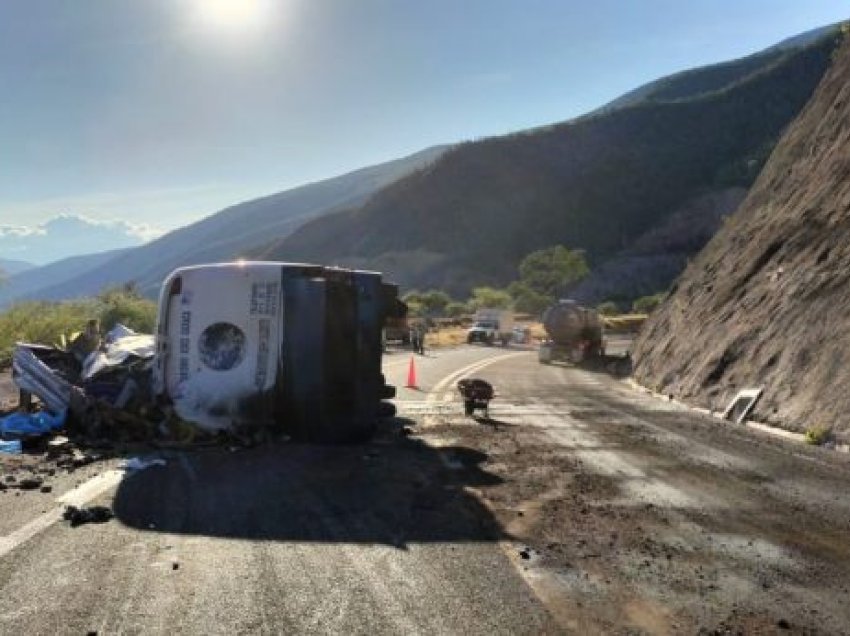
411 375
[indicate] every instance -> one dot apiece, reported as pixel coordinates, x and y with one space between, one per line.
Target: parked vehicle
574 333
490 326
396 326
295 348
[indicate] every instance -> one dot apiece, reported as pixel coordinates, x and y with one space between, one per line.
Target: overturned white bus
293 347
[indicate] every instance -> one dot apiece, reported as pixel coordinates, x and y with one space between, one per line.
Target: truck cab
483 331
490 326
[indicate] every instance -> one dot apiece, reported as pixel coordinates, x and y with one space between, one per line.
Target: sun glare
233 15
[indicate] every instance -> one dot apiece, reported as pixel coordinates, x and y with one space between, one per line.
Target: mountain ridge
225 234
556 183
596 183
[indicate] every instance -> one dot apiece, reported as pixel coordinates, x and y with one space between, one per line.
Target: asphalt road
277 539
581 506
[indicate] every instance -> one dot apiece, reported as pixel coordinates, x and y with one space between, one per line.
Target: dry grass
445 337
454 336
52 322
624 323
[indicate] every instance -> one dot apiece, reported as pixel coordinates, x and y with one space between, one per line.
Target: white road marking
94 487
464 371
79 496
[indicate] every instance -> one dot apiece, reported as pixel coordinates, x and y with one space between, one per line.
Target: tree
608 308
429 303
456 309
434 301
527 300
550 270
490 297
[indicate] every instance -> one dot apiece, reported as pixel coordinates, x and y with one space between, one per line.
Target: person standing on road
422 331
413 338
417 338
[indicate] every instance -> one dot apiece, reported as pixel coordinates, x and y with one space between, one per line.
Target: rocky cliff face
767 302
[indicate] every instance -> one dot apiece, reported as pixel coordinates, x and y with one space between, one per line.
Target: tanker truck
574 333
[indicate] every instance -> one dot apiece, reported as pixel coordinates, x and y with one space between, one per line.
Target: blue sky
159 112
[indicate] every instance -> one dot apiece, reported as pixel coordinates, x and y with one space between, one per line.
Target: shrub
126 306
818 434
608 308
490 297
647 304
456 309
51 322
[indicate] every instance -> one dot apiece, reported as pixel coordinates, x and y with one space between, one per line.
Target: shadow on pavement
615 366
393 491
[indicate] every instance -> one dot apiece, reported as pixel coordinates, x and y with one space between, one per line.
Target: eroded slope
767 302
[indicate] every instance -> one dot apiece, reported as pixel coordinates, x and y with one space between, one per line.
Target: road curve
380 538
581 506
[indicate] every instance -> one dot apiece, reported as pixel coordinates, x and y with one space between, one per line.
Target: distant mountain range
64 235
223 236
616 183
9 267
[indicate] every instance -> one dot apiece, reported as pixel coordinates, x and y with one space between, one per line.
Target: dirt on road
580 506
627 515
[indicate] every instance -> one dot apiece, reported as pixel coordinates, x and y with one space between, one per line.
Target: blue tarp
12 447
18 424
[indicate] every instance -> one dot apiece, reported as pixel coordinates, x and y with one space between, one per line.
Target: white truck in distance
490 325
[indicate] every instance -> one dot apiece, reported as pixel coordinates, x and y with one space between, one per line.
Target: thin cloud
69 235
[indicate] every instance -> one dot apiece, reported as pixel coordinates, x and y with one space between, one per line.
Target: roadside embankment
765 305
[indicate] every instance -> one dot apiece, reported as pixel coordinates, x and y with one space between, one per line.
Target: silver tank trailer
574 333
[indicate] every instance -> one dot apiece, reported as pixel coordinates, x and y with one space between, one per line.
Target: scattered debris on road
476 394
92 514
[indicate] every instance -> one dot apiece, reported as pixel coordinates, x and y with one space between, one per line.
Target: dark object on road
93 514
575 333
30 483
476 394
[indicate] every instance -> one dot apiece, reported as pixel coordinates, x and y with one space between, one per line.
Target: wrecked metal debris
122 343
34 376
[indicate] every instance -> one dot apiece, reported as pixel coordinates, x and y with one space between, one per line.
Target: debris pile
96 391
